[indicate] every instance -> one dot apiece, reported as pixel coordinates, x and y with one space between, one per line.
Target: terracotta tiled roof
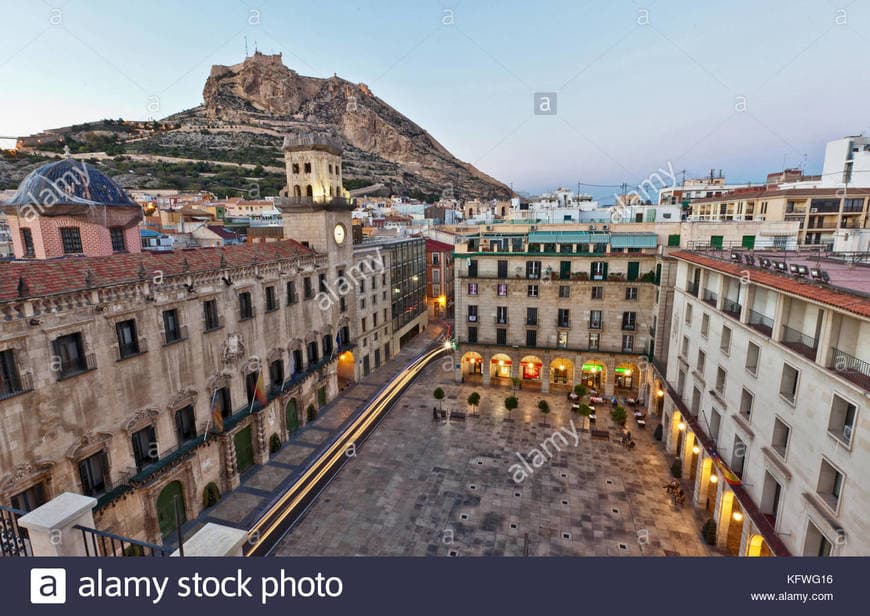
40 278
850 302
436 246
223 232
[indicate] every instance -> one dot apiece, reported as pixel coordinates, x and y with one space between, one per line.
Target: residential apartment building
819 212
764 395
374 309
439 279
554 307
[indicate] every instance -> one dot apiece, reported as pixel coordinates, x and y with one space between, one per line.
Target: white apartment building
765 399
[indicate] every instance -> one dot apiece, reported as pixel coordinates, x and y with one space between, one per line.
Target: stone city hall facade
151 381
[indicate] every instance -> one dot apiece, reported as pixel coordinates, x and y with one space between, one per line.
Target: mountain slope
381 144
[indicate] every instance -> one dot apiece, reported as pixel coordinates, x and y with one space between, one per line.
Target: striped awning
634 240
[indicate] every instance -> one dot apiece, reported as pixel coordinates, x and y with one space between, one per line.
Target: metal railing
731 307
761 323
852 368
103 543
711 297
175 336
217 324
133 349
14 540
21 385
692 288
800 342
84 364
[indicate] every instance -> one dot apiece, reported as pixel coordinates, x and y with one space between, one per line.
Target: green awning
568 237
634 240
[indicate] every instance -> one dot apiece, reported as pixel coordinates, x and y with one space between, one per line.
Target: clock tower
316 210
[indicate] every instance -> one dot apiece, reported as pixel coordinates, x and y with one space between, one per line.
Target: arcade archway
562 372
593 375
472 366
345 369
626 376
757 546
500 367
530 368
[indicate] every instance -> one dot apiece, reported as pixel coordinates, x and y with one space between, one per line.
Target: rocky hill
381 145
238 131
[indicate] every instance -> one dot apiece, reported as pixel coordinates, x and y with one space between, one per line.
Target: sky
641 86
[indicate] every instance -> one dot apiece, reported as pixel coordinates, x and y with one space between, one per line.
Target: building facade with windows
764 399
554 307
69 208
439 279
145 379
406 277
819 212
374 343
133 378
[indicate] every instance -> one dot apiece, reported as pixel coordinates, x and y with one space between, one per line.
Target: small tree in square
438 394
510 403
473 399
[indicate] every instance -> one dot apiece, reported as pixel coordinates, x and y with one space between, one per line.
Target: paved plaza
420 487
263 483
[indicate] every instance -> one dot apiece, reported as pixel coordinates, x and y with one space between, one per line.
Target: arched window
297 190
309 191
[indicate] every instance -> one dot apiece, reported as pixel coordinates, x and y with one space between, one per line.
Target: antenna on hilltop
246 46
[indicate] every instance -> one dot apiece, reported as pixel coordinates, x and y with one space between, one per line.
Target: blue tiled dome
69 182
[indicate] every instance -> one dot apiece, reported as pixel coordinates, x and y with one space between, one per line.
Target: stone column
261 438
228 459
215 540
51 526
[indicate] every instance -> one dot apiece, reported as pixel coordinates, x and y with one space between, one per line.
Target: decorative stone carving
234 348
182 398
87 444
25 471
140 418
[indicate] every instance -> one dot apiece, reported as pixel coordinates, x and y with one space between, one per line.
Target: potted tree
677 468
580 389
438 394
585 411
708 531
544 407
510 403
473 400
618 415
517 383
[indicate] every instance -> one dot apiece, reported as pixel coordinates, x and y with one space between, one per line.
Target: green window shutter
716 241
748 241
633 270
674 240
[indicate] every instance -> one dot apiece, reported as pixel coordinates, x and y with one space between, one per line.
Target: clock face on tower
338 234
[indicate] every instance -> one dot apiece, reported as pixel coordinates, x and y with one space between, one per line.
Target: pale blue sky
632 97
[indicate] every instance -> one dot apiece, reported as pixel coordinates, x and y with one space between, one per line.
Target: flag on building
217 417
260 391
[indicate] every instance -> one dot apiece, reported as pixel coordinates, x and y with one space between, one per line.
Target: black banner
434 586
